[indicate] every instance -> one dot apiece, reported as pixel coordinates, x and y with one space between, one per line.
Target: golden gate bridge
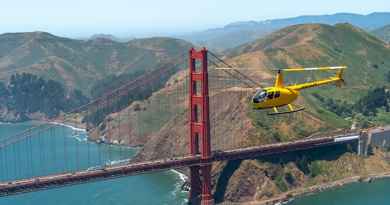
185 112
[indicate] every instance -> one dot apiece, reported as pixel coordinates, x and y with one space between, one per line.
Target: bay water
37 156
161 188
364 193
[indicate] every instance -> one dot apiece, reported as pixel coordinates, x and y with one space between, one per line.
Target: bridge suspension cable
143 80
236 73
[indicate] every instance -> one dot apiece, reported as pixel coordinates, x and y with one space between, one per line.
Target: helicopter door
270 95
277 94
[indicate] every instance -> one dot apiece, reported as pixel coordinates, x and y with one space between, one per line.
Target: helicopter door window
270 95
277 94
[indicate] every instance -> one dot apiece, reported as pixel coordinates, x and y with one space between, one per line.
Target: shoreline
290 196
71 126
81 134
282 198
183 178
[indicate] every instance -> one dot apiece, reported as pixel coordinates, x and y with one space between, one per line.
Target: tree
374 99
3 91
388 76
27 93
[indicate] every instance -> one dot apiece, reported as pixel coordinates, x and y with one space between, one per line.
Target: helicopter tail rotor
340 76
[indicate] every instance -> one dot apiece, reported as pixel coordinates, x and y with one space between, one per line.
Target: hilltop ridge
237 33
383 33
80 64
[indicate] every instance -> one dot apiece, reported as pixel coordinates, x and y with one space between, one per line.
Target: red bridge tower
199 127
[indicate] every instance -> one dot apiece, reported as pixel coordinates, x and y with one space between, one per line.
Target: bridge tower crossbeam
199 126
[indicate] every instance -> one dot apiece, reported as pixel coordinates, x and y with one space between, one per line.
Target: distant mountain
383 33
105 36
238 33
80 64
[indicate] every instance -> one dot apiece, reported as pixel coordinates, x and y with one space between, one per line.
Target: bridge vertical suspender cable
15 171
44 149
77 153
4 160
87 128
18 170
29 154
119 136
108 125
1 164
129 127
66 157
50 148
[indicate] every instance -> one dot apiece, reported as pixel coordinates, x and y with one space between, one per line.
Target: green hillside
27 97
80 64
367 58
383 33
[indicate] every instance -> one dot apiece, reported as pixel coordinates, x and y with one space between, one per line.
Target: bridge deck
115 171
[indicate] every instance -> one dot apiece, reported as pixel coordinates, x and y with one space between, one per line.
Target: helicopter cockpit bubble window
259 96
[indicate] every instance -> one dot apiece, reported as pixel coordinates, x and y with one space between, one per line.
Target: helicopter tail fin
340 76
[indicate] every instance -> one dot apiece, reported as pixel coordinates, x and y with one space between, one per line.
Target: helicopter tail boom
337 79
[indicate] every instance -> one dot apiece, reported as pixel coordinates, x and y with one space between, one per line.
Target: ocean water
374 193
37 156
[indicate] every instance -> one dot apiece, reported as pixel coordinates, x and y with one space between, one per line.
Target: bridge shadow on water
302 159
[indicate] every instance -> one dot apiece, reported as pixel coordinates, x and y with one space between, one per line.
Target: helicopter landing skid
291 110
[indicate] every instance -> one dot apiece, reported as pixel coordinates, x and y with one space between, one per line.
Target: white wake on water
178 191
80 134
109 163
116 162
182 176
69 126
82 137
5 123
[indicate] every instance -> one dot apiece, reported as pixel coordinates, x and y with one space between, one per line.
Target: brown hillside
235 124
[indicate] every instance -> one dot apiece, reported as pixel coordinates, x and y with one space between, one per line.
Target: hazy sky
79 18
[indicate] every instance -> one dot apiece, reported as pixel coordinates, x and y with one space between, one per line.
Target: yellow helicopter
280 95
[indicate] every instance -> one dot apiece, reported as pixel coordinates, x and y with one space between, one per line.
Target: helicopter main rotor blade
298 69
293 69
240 68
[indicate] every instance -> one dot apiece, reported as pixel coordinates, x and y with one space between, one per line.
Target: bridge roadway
115 171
